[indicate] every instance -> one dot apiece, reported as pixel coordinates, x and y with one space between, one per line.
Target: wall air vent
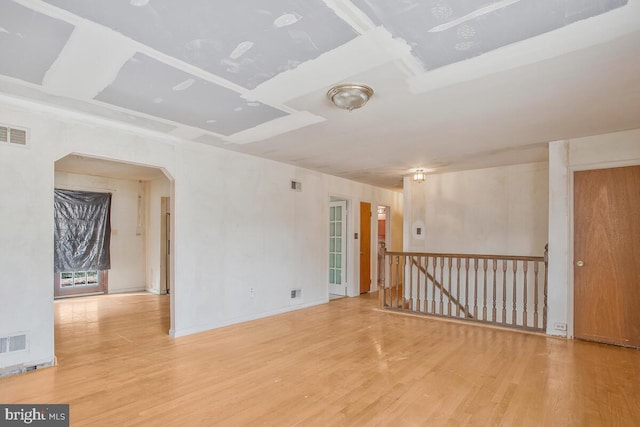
11 343
13 135
296 185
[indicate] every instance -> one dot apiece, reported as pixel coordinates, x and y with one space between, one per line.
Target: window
79 279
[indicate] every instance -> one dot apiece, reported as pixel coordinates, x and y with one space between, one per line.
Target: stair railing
504 290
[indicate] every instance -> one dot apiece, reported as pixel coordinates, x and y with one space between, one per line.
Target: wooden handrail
474 256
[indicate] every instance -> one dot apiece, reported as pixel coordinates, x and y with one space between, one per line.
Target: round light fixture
350 96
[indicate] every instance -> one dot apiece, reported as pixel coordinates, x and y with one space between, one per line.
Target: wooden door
365 247
607 255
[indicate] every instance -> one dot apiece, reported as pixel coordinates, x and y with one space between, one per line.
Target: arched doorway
140 231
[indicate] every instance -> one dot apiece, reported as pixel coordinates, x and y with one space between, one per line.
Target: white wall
501 210
26 251
127 273
594 152
236 225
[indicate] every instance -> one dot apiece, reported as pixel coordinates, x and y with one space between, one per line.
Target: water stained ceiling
459 84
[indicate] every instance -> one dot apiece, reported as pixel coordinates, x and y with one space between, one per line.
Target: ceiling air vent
13 135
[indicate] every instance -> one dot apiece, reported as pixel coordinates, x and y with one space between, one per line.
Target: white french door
337 247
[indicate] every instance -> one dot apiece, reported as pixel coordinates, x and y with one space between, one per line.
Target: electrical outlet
560 326
251 293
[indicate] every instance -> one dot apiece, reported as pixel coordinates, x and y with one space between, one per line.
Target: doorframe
387 242
571 224
353 244
165 245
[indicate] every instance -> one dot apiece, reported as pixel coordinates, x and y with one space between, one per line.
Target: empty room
320 212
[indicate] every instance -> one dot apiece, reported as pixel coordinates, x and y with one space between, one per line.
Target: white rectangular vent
296 185
296 294
12 343
13 135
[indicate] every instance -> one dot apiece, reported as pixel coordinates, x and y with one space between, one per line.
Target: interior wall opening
140 236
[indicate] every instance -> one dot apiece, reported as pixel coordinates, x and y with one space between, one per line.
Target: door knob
580 263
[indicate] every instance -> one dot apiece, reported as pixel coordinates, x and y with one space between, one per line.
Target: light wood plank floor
342 363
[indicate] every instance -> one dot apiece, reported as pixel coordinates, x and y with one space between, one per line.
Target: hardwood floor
342 363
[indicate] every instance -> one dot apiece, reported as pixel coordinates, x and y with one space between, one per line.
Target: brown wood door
365 247
607 255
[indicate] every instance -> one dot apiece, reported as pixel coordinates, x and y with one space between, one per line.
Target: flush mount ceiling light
350 96
419 175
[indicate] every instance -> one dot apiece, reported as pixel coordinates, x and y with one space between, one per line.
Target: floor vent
13 135
13 343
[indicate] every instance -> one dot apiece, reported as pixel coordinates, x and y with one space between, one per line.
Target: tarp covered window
82 232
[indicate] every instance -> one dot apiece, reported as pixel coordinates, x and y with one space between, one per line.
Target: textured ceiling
459 84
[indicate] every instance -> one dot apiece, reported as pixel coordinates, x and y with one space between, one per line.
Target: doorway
365 247
165 245
606 253
383 243
140 196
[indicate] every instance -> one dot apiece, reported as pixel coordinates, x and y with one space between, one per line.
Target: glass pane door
337 247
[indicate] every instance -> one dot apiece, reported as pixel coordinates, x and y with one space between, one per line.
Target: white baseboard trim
127 290
29 366
209 326
155 291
